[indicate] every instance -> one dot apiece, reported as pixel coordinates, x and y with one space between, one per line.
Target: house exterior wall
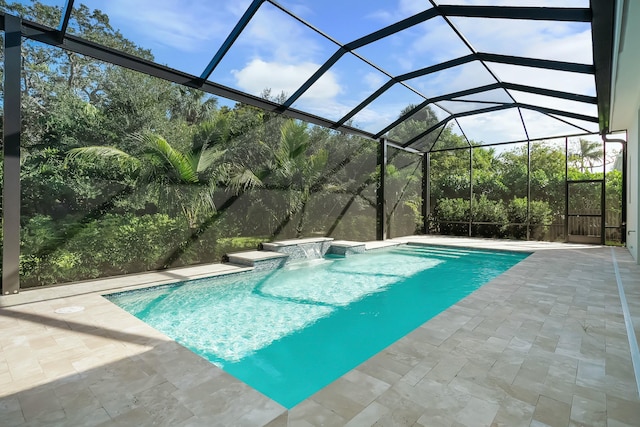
633 185
625 107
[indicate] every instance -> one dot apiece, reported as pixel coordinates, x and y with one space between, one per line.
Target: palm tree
277 172
292 167
186 180
589 153
192 105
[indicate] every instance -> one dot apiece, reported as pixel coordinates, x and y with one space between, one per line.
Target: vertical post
528 189
380 205
603 195
623 225
470 189
11 136
566 189
426 191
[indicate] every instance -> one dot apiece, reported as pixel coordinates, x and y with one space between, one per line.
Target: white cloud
498 126
275 36
411 7
237 7
404 9
329 108
438 41
562 41
371 119
258 75
374 81
574 47
583 84
187 26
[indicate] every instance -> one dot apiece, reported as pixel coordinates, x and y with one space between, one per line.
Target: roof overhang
625 79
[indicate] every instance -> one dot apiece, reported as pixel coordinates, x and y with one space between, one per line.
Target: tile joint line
633 342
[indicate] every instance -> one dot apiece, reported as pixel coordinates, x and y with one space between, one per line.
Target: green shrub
540 218
488 211
455 210
63 251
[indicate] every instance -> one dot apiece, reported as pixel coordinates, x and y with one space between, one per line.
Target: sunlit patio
543 344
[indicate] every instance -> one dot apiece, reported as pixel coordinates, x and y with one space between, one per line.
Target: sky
277 52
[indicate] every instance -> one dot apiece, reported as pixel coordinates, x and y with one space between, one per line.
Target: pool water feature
291 331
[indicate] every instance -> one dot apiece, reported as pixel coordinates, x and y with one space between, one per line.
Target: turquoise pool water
291 331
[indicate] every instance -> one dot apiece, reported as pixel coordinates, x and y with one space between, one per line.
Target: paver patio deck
544 344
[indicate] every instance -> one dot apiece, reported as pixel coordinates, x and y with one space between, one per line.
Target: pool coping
350 398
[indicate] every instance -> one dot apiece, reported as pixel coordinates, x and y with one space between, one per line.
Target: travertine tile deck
544 344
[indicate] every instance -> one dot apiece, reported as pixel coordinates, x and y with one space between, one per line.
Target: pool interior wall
291 331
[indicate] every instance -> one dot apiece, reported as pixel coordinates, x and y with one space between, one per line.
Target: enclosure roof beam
366 102
314 78
48 35
519 12
428 70
66 16
499 108
516 12
231 38
602 39
451 117
550 92
600 16
422 105
349 47
548 64
497 144
563 113
438 67
392 29
505 85
489 57
481 56
561 14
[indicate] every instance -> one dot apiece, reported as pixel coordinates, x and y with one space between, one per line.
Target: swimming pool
291 331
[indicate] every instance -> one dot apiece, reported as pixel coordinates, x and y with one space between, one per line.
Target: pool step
276 254
381 244
346 248
300 249
259 260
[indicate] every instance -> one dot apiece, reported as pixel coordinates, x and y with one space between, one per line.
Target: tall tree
586 155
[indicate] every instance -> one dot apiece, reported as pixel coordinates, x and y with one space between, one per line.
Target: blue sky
277 52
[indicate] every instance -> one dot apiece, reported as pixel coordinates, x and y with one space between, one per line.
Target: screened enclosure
164 136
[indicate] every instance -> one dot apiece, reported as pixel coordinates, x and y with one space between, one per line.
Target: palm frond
97 154
178 163
208 158
294 139
212 132
207 199
318 161
244 180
